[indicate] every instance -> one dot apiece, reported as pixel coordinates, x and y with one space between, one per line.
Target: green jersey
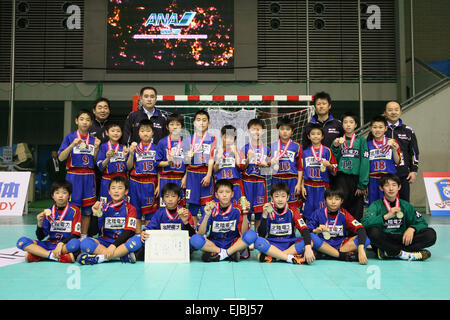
354 159
411 218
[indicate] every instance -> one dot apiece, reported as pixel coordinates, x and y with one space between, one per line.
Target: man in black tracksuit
332 128
158 117
406 138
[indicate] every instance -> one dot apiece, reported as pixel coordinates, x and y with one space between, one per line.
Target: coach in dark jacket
101 110
148 97
332 128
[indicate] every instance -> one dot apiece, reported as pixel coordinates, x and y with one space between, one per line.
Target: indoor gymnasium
224 150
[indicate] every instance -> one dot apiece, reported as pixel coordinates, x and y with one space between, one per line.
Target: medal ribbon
384 146
175 216
79 137
169 145
388 206
261 149
275 212
194 149
63 214
110 147
140 147
352 142
319 157
111 205
217 210
285 149
335 220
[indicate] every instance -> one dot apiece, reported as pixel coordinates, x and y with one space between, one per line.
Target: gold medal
98 213
134 144
47 212
341 140
276 167
323 168
326 235
400 215
82 145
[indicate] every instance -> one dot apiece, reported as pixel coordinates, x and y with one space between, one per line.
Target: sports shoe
32 258
264 258
348 256
245 254
210 257
298 259
235 256
85 258
128 258
67 258
421 255
381 254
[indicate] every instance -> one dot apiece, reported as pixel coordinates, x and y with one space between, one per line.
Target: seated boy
395 228
170 217
116 226
332 225
112 159
227 226
278 224
61 223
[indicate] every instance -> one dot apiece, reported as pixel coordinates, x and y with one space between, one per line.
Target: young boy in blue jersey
170 155
80 151
116 228
61 223
199 151
111 159
256 156
172 216
384 156
318 164
227 226
332 225
228 162
143 167
286 162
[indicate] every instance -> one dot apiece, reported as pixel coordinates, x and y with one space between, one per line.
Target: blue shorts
256 193
195 193
106 242
83 191
314 200
283 244
47 245
224 243
142 197
374 191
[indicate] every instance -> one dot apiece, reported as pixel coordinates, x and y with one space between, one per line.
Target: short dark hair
141 92
101 99
64 184
84 111
352 115
279 186
119 179
322 95
175 117
378 119
171 187
285 121
223 183
255 122
109 125
313 126
334 191
396 101
199 112
145 123
389 176
228 130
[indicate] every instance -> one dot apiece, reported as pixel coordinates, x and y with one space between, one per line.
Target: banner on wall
437 185
13 192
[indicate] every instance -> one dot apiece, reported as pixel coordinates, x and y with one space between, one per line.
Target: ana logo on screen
168 21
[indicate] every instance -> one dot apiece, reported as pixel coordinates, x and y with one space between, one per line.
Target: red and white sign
13 192
437 185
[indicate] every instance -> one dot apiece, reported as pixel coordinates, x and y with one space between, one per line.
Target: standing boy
199 151
395 228
318 164
111 160
254 173
80 151
352 157
384 156
61 223
286 162
143 168
170 155
228 162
